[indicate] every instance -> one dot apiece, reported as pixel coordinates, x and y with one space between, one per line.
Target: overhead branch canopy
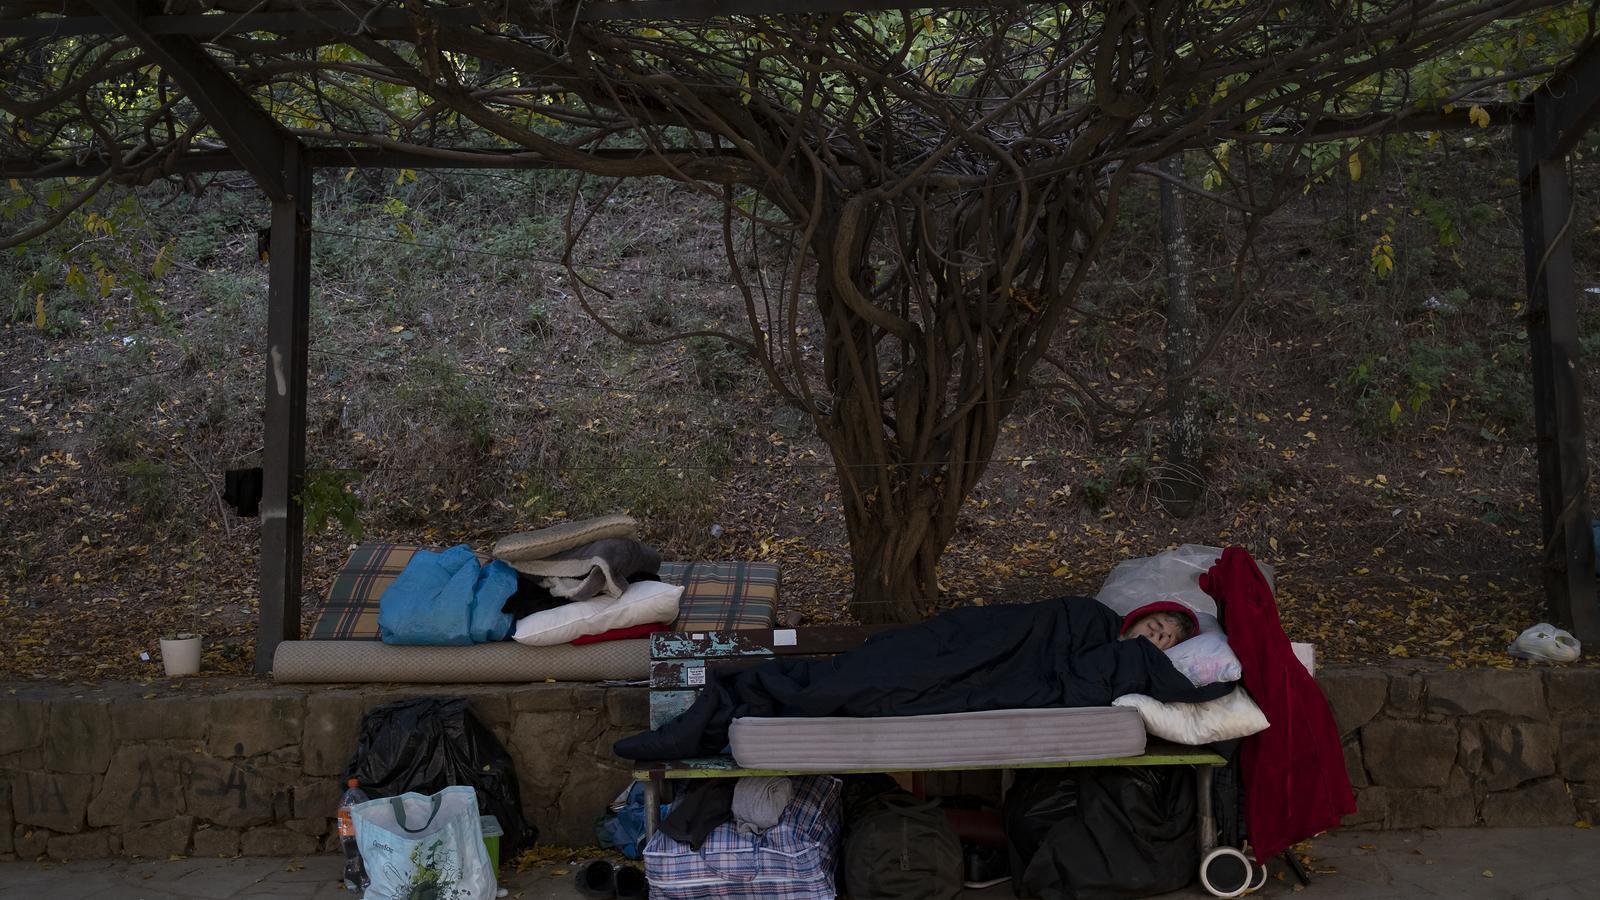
710 90
943 177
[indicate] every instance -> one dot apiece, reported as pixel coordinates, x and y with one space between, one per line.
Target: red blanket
1293 773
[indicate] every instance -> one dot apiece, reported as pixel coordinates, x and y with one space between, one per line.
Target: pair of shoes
602 879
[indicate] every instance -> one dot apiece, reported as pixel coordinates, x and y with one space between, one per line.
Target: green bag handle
400 814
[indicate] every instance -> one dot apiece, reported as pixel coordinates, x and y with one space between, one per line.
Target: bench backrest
681 661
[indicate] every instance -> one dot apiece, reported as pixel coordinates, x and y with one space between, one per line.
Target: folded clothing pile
588 580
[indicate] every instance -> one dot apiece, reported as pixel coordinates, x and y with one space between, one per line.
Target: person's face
1157 628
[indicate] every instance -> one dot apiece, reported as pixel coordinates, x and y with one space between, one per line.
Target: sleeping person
1070 651
1165 623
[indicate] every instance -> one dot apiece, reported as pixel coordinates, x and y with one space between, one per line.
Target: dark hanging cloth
531 597
1294 777
241 489
699 808
1054 653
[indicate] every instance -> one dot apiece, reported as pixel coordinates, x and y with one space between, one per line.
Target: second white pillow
1233 715
643 603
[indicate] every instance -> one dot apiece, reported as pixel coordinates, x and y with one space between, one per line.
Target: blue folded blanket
447 599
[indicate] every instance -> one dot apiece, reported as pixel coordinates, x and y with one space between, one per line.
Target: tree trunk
913 416
895 549
1182 481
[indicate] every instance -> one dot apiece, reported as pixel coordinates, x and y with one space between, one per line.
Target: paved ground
1493 864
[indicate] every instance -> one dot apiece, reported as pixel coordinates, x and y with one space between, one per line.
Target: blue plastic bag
624 828
447 599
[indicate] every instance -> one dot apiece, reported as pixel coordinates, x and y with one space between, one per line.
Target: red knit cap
1172 606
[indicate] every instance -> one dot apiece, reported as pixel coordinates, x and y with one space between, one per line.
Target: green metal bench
681 663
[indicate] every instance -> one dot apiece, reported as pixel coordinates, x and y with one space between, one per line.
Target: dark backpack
899 847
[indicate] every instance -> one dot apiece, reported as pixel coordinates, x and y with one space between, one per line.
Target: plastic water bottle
355 873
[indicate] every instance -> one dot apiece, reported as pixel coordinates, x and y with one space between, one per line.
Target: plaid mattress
717 596
793 860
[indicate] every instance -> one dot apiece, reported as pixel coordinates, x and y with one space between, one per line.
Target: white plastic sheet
1169 575
1175 575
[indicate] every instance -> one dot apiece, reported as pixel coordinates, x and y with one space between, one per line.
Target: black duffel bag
899 847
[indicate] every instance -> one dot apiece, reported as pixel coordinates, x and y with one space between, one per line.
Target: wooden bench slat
763 642
691 674
666 705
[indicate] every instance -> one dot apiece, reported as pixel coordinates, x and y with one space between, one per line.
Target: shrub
151 488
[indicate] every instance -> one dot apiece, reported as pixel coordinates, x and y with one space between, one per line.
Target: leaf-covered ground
1369 437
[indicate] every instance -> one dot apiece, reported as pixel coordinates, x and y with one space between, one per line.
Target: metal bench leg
1295 866
652 804
1207 818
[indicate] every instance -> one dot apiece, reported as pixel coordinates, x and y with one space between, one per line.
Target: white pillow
1225 718
644 602
1206 658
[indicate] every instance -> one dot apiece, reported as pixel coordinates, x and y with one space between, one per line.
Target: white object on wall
1307 654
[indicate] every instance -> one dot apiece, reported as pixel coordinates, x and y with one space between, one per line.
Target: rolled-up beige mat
549 541
322 662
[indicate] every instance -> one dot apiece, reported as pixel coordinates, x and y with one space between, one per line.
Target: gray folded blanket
759 802
599 568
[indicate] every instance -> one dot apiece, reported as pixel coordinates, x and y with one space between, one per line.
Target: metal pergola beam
1565 107
200 161
333 20
212 26
258 142
1560 112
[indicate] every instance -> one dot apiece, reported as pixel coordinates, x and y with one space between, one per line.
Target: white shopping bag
424 848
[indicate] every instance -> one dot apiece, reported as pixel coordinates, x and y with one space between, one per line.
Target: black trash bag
898 847
1038 800
1132 834
430 743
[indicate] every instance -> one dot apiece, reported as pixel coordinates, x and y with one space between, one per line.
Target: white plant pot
180 654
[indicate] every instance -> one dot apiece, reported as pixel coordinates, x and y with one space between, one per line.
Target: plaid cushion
717 596
793 860
724 596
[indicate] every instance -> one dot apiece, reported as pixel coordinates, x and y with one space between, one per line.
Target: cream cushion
642 603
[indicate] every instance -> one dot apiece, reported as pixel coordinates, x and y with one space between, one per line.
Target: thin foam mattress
953 740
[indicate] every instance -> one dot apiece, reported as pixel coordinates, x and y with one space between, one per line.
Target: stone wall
228 768
225 769
1470 747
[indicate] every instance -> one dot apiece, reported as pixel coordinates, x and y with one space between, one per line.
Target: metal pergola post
1560 113
284 453
277 163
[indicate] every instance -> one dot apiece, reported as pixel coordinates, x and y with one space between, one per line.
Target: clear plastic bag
1546 643
1169 575
418 846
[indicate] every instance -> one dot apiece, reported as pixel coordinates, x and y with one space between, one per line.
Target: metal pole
652 804
288 326
1203 809
1552 324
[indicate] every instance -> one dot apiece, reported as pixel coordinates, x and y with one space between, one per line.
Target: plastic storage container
491 839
